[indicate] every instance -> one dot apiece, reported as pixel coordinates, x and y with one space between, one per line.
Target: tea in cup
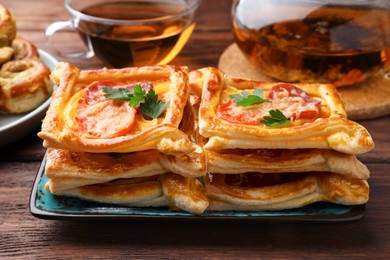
129 32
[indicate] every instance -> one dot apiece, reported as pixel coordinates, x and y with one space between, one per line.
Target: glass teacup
129 32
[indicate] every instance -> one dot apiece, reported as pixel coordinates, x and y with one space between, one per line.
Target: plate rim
354 214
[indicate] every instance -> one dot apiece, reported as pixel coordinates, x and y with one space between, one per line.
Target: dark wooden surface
24 236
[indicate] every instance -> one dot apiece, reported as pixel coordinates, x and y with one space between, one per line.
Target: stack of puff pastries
106 151
253 166
202 135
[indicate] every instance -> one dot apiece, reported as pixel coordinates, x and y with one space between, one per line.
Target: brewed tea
304 41
138 44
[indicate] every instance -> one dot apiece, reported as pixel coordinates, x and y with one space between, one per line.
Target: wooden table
24 236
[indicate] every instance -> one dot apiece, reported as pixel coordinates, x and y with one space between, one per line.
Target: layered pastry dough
175 191
282 191
24 85
140 179
329 129
253 167
7 26
66 169
232 161
247 167
154 164
61 128
24 79
137 179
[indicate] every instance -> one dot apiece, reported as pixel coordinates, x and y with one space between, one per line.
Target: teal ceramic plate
47 206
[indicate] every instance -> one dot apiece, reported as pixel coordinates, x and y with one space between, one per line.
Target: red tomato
287 90
101 117
239 115
292 101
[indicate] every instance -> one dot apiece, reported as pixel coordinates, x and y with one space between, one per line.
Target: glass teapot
323 41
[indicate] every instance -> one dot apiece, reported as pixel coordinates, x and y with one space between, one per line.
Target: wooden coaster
365 100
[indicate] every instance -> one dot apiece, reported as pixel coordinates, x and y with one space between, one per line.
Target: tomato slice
101 117
292 101
281 91
239 115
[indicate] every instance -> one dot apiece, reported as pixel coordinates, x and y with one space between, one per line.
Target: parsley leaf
117 94
276 119
152 107
137 97
239 97
245 99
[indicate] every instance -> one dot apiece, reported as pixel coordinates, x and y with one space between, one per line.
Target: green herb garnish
276 119
137 97
151 106
118 94
245 99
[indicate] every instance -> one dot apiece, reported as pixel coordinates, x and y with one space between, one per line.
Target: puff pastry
137 192
62 128
233 161
24 85
253 168
143 178
23 49
66 169
7 26
174 191
24 79
254 192
249 166
135 179
327 129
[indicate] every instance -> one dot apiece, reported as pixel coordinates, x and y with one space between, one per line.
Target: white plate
14 127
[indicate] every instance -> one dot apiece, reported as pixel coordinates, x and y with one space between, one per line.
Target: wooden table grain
23 236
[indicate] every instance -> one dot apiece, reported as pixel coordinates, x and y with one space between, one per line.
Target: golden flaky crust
24 85
232 161
254 167
24 78
67 170
137 192
329 187
24 49
184 193
61 130
175 191
162 176
7 26
249 167
331 130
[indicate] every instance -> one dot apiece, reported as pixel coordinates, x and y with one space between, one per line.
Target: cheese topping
292 101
